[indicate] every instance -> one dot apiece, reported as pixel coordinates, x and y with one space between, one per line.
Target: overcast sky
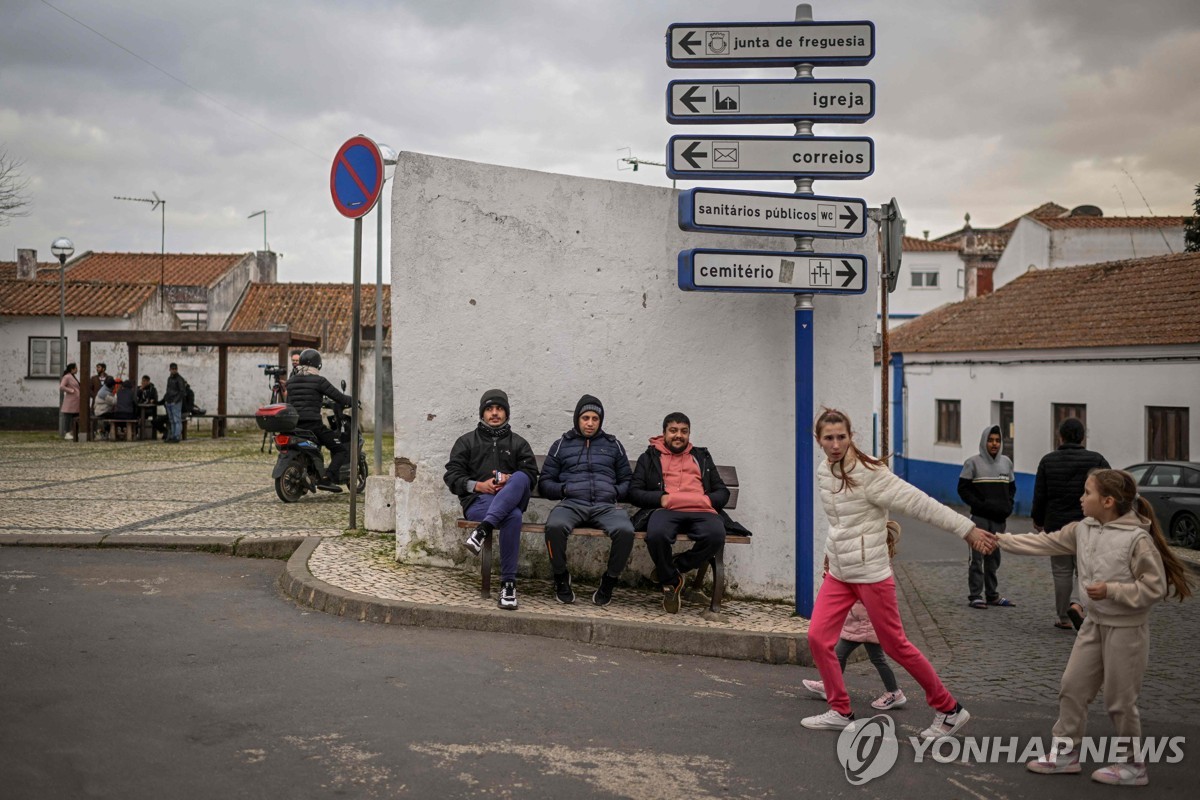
990 107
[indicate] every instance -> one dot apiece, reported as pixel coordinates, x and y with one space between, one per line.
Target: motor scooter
300 464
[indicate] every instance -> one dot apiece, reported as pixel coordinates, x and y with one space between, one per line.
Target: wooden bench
717 561
114 427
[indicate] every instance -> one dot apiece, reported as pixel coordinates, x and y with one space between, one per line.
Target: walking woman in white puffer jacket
857 492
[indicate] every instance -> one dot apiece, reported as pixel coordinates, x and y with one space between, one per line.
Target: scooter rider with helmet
306 388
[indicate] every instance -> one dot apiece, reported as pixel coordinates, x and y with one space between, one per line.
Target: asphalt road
130 674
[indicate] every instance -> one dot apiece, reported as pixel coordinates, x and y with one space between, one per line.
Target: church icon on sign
726 98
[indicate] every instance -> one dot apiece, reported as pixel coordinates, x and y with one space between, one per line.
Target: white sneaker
888 700
829 721
69 438
816 687
508 595
947 724
1131 774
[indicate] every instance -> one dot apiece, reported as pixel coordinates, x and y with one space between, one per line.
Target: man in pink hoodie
677 490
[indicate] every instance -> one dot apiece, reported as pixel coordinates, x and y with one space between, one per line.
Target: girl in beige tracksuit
1125 567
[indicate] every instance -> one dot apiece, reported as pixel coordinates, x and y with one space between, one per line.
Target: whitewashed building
931 275
1116 344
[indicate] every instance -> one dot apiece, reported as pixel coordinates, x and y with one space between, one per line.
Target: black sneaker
508 595
671 596
474 542
562 588
603 595
325 485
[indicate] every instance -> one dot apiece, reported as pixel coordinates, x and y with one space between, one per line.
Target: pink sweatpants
829 613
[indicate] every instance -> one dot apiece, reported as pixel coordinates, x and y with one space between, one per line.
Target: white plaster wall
1093 245
907 300
1034 244
551 286
1029 244
15 388
1116 396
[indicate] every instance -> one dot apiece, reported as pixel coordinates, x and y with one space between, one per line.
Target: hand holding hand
1097 591
486 487
981 541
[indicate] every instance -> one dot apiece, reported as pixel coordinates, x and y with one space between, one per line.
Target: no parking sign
356 179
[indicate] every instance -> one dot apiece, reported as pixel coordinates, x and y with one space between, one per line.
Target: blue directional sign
771 214
741 157
356 179
759 101
710 270
770 44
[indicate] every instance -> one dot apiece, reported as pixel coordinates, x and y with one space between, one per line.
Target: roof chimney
27 264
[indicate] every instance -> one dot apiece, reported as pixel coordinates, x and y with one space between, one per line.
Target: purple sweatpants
503 511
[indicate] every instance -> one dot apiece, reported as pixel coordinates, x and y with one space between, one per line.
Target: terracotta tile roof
1044 211
181 269
1000 234
24 298
915 245
8 270
1164 223
1143 301
307 307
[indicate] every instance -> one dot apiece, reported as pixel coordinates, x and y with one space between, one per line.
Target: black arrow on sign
687 43
690 155
689 98
849 274
853 217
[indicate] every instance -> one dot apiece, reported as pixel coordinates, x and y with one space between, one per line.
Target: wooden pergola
222 340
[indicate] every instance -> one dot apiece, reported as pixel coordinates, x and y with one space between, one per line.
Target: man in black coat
588 471
306 391
493 471
1057 488
677 490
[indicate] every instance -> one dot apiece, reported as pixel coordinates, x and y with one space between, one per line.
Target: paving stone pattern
1018 654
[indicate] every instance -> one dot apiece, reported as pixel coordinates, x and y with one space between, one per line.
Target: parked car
1173 489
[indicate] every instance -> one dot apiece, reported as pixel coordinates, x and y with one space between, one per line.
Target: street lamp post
389 160
64 248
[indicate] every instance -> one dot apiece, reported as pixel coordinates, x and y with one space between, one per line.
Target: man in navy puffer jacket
588 471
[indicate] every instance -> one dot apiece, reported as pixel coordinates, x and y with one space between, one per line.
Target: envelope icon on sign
725 155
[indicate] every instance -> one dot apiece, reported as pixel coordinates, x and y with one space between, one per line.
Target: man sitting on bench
588 470
677 490
492 470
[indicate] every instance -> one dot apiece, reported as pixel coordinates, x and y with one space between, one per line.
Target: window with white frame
45 358
962 279
924 278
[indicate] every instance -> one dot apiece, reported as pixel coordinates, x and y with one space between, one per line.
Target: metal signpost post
801 44
356 181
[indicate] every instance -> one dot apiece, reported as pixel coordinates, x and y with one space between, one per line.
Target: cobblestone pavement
1017 653
206 487
366 565
201 487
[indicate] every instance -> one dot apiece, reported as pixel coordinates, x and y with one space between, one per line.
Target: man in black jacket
588 471
677 490
306 390
493 471
1056 492
173 403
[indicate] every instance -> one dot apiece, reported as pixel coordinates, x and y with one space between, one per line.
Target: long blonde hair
1122 488
831 416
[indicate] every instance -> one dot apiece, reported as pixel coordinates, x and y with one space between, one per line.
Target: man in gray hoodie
987 485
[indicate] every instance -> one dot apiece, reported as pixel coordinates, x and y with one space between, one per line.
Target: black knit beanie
494 397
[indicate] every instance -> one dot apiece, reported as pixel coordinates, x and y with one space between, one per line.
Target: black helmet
310 358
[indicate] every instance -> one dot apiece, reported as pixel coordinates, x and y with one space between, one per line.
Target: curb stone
299 584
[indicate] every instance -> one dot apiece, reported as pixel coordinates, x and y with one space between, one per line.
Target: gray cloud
984 107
